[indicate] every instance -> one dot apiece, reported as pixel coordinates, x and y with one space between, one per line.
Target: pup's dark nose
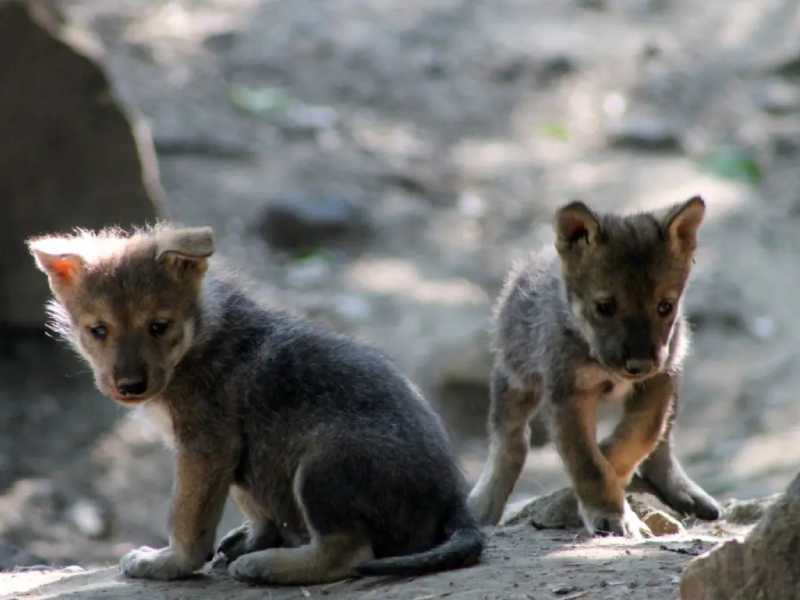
132 386
638 366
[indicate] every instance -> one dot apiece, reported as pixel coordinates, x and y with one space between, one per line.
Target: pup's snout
638 366
132 386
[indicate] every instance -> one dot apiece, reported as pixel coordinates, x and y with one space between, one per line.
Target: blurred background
377 165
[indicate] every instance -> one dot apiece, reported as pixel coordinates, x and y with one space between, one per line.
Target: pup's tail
462 548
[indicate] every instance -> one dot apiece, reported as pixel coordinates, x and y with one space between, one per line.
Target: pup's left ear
185 250
681 224
64 271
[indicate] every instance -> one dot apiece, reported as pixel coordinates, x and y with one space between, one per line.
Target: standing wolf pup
603 322
332 455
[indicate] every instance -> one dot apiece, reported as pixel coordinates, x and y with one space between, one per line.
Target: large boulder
764 565
70 157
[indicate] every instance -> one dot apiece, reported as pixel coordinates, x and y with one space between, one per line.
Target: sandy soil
520 563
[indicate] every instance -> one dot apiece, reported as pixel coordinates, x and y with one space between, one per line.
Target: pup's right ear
185 251
64 271
575 224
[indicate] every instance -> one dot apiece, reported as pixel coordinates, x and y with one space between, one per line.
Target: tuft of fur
330 452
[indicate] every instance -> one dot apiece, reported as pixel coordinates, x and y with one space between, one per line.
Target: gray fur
553 350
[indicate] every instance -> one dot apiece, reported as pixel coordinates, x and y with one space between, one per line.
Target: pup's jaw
130 401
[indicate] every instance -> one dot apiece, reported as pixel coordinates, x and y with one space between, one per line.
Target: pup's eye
158 327
99 332
665 308
605 308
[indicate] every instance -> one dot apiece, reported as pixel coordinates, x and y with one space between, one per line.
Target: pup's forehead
633 255
136 282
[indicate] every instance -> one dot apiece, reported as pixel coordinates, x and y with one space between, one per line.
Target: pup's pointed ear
185 250
575 223
681 224
64 271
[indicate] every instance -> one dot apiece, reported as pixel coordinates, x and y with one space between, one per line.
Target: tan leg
601 498
663 470
326 558
641 428
510 411
200 490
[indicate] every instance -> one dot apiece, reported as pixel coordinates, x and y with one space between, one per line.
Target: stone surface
559 510
746 512
556 510
519 564
763 565
660 523
98 168
302 222
644 133
13 557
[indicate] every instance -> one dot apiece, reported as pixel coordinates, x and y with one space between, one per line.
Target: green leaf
262 101
733 163
556 131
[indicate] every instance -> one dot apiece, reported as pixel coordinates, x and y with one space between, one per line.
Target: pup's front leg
200 491
601 498
642 425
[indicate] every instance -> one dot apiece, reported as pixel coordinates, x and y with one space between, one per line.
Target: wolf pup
338 464
602 322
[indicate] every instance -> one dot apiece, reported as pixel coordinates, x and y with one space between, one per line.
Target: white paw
253 567
600 522
149 563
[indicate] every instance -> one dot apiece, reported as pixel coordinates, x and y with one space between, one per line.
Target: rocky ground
522 561
430 141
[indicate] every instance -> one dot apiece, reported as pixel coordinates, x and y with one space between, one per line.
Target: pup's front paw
252 568
149 563
603 522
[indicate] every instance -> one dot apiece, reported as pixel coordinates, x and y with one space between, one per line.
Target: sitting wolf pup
335 459
602 322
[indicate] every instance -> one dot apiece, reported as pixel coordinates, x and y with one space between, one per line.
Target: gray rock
788 66
778 97
645 133
764 565
71 157
300 222
308 119
559 509
12 557
745 512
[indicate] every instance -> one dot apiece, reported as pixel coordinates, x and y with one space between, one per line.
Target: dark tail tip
462 549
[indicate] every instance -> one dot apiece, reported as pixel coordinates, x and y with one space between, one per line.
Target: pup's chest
593 379
157 415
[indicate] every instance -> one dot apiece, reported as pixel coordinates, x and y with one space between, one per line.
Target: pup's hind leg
510 410
259 531
335 548
326 558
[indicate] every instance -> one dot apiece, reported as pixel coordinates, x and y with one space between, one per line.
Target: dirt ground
457 126
520 563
